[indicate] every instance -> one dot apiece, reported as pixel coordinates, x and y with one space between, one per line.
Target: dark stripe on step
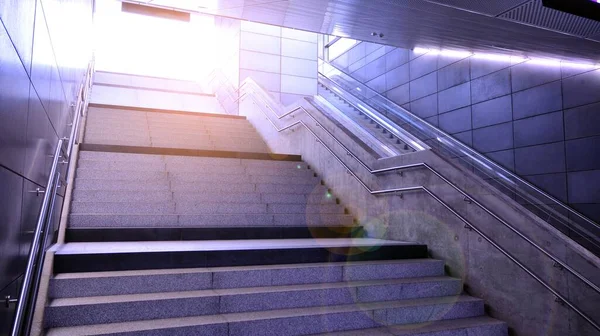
147 109
216 233
187 152
71 263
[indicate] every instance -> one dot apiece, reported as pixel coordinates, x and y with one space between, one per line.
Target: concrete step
189 279
147 306
140 186
172 136
139 134
186 160
144 207
120 157
82 195
228 178
164 217
273 200
145 255
252 148
202 168
315 191
305 209
122 165
88 173
481 325
128 142
292 322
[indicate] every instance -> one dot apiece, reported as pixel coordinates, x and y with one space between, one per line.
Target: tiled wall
282 60
44 51
541 121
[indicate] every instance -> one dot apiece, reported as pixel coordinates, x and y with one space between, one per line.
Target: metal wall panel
482 6
534 13
10 218
32 108
14 98
18 18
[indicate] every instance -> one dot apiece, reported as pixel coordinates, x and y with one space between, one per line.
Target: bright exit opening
153 46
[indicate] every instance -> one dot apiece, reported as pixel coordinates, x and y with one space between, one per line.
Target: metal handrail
477 157
410 140
429 192
32 277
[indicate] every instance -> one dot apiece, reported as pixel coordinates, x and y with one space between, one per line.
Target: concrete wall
282 60
152 92
44 53
510 293
541 121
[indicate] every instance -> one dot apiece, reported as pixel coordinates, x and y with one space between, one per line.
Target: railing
382 121
35 262
585 231
225 92
259 96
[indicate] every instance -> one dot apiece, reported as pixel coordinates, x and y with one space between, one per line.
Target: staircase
185 224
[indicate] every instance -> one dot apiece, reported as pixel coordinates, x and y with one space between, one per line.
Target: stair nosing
157 296
150 272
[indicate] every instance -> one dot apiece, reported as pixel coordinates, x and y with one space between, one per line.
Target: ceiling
500 26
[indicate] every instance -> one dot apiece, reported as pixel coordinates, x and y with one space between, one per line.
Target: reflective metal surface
43 56
452 24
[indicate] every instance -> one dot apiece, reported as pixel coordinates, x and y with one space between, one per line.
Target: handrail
31 280
429 192
483 162
408 139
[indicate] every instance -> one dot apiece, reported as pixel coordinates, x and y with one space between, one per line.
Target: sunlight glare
137 44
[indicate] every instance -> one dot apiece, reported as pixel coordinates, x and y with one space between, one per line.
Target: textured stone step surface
474 326
156 281
132 307
151 129
165 217
299 321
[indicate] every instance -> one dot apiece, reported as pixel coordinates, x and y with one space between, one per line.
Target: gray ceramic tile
492 112
454 74
584 187
505 158
542 159
493 138
423 86
553 184
456 121
491 86
538 100
527 75
425 107
454 98
583 154
581 89
582 121
540 129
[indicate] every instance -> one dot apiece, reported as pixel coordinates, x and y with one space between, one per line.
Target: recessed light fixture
505 58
